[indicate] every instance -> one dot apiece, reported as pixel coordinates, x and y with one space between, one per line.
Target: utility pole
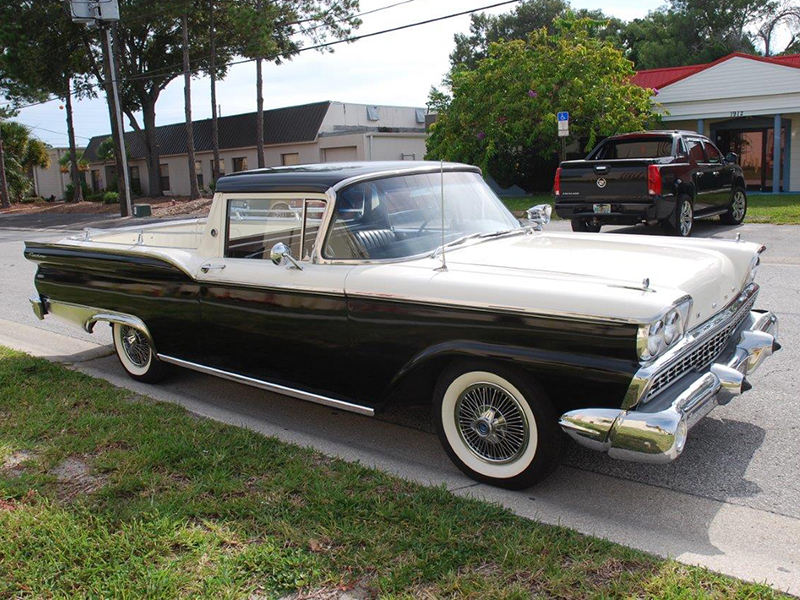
5 201
102 14
194 191
259 105
214 123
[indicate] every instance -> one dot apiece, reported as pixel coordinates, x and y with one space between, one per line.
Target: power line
147 75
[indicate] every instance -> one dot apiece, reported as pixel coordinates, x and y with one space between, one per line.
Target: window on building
163 171
96 180
240 164
292 158
221 166
136 182
198 172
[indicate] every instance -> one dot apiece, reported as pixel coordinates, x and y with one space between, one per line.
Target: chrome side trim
270 387
86 317
643 379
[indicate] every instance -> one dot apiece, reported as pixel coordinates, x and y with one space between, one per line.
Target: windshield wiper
478 236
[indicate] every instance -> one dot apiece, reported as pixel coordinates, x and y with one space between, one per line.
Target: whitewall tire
497 427
135 354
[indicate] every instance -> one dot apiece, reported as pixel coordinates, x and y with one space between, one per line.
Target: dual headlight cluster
657 337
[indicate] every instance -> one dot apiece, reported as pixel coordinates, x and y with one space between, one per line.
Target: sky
393 69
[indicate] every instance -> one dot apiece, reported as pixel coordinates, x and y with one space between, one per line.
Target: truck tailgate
604 181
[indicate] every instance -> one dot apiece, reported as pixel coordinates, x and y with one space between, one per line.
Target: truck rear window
645 147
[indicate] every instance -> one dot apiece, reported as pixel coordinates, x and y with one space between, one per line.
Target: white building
311 133
51 182
746 104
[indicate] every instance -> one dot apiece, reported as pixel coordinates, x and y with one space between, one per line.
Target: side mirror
280 255
732 158
539 215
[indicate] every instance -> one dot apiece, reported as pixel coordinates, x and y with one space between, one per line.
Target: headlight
654 338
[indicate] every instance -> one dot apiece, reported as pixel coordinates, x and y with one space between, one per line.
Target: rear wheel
738 208
495 426
136 355
681 223
585 226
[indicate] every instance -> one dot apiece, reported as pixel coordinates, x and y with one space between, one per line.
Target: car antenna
443 266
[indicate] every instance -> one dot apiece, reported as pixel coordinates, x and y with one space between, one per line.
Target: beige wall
51 181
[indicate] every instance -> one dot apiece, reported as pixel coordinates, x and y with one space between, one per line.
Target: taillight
653 180
557 182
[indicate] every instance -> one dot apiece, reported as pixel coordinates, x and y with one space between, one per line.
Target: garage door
341 154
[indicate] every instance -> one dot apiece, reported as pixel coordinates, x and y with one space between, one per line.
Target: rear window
644 147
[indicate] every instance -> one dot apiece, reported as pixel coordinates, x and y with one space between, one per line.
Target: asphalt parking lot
739 471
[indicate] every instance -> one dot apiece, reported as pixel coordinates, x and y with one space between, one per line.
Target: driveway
732 501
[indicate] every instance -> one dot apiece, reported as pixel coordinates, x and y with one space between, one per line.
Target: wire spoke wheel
135 345
492 423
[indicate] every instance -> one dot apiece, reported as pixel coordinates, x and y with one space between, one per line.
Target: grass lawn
777 209
106 493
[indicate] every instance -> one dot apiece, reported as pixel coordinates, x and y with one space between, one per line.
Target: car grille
701 355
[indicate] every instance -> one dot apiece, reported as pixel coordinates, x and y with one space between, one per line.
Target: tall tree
212 70
526 17
788 14
33 34
194 191
274 32
502 114
21 153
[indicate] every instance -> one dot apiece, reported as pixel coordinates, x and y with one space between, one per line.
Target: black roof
321 177
288 125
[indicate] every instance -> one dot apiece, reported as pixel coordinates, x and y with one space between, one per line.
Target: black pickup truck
666 177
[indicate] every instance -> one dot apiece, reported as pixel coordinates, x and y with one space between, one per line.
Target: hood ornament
539 216
645 283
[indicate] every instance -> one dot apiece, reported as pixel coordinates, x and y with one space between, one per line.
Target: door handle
211 267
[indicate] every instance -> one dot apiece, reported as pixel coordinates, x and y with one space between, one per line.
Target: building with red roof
746 104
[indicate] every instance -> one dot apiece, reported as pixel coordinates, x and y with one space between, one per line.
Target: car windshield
401 216
643 147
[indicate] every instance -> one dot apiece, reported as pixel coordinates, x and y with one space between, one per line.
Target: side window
695 150
712 154
256 225
681 149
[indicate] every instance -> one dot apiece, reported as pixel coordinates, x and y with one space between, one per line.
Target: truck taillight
557 182
653 180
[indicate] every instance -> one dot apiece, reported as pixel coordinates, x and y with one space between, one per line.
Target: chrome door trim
270 387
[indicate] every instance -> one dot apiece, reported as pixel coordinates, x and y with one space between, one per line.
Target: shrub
95 197
69 192
111 198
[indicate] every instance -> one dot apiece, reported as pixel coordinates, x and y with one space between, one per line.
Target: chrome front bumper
656 431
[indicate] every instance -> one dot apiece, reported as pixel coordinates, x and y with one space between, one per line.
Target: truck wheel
585 226
738 208
495 426
681 223
136 355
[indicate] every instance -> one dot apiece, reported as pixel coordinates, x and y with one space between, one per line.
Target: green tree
22 152
34 34
275 32
65 161
502 114
695 31
517 24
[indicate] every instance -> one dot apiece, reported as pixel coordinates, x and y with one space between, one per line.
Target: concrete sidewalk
737 540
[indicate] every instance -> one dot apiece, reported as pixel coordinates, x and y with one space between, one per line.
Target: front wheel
136 355
495 426
738 208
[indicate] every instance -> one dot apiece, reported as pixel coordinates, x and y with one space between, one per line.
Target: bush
111 198
69 191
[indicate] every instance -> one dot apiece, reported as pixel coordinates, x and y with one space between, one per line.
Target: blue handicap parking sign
563 116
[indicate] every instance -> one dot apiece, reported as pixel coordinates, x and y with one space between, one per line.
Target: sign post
563 132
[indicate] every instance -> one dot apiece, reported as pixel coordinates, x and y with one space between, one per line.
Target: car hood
712 272
605 276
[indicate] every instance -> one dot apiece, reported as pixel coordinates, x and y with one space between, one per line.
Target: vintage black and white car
356 285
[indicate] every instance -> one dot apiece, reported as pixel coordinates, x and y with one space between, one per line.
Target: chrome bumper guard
656 432
39 307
